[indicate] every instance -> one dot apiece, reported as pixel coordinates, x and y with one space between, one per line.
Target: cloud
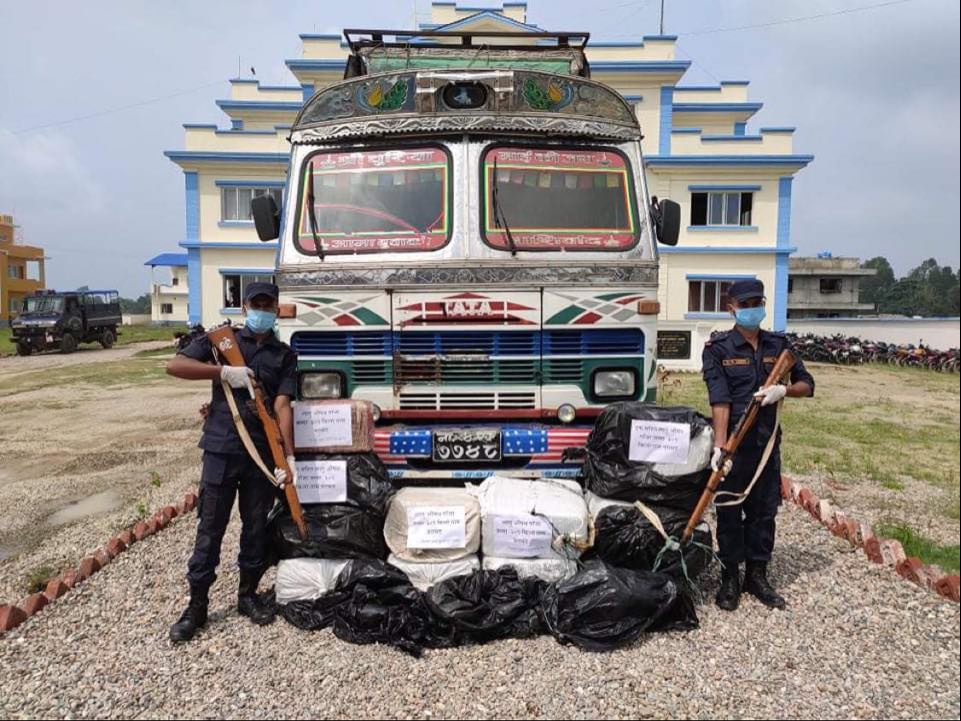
43 174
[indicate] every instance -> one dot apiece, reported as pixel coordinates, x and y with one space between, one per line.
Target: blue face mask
750 318
260 321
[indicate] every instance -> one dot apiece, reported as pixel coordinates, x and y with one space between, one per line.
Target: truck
62 320
467 241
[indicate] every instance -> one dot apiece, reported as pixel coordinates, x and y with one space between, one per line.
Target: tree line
929 290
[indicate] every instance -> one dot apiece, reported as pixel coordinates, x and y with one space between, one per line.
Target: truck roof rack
406 38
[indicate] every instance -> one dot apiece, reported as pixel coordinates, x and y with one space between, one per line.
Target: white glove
770 395
238 377
716 461
281 475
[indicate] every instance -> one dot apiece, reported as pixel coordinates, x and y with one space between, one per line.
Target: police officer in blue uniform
228 471
736 363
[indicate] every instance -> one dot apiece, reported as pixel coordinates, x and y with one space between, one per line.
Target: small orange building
21 269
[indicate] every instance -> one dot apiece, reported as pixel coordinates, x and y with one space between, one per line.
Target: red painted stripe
346 320
587 319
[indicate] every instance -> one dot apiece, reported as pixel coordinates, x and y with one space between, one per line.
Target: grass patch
38 579
106 375
947 557
878 424
128 334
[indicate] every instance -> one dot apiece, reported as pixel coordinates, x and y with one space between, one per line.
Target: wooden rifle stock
224 340
782 366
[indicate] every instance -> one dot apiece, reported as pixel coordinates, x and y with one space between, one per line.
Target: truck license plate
467 445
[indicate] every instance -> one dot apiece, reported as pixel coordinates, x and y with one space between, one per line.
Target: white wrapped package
698 456
425 575
532 519
596 503
552 570
428 525
305 579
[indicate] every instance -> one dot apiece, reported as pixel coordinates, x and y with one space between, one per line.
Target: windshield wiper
499 220
312 213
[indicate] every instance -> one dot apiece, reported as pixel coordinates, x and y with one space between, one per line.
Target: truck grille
451 401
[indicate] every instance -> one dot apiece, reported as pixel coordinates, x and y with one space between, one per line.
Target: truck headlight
321 385
615 383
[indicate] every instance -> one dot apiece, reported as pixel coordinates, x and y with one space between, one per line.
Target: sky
92 93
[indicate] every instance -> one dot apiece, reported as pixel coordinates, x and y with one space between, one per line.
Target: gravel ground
92 454
856 641
919 504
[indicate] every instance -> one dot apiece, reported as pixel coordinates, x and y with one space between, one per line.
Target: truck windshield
46 304
372 201
558 199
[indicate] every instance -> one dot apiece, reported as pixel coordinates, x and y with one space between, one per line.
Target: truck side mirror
266 217
667 220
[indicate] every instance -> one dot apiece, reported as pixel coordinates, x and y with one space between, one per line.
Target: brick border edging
887 552
12 615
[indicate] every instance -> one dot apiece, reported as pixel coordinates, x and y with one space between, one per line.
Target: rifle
225 342
782 366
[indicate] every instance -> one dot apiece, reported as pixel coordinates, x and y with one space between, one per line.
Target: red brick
839 525
70 578
141 530
11 617
155 524
785 487
947 587
812 505
872 549
170 511
910 569
88 566
127 538
190 501
930 575
33 603
55 589
864 533
102 556
796 489
115 547
853 531
825 511
892 552
804 497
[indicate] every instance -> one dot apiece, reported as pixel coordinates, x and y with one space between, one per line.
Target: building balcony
770 141
21 285
160 289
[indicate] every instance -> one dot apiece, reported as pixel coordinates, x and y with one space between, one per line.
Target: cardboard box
334 426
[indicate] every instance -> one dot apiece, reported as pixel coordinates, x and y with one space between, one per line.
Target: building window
235 285
175 281
235 201
720 208
15 271
707 296
830 285
166 308
790 285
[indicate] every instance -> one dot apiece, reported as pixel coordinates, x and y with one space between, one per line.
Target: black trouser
746 532
224 474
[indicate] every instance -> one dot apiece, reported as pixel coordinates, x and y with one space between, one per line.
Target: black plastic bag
373 602
488 605
381 606
602 608
625 538
368 482
334 530
609 472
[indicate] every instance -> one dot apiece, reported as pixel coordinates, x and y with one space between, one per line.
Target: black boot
729 596
756 583
193 618
249 603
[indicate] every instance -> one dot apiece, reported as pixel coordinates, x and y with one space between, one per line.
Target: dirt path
13 365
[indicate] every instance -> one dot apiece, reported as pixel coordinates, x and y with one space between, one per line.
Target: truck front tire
108 338
24 349
68 344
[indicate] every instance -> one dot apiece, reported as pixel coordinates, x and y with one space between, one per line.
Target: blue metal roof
168 259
